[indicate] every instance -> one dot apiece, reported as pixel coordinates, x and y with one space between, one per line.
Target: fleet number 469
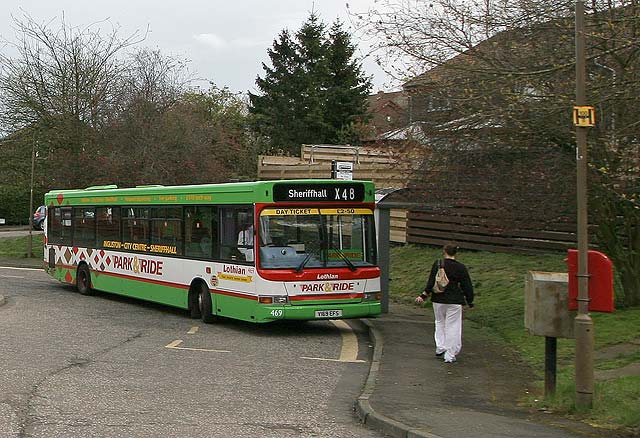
277 313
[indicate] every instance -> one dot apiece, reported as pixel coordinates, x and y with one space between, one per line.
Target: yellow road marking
333 360
174 346
193 330
349 350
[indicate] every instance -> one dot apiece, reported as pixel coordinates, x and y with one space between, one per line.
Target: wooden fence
376 165
398 226
483 230
358 155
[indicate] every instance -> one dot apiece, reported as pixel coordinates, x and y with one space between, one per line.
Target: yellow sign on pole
584 116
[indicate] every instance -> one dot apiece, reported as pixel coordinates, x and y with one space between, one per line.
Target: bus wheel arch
83 279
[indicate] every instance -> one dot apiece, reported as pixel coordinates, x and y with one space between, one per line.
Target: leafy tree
232 144
313 91
201 137
497 76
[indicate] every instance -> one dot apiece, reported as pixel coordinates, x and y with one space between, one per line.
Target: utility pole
583 323
33 166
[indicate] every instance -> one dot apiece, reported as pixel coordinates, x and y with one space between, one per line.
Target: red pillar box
600 281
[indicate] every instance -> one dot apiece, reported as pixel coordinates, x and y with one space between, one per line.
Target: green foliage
14 201
15 176
498 281
314 91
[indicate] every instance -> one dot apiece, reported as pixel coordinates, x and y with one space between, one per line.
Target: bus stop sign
600 281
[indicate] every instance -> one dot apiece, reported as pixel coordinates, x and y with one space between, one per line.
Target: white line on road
20 269
11 276
174 346
193 330
349 351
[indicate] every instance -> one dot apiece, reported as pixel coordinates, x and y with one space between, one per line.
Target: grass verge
17 247
499 286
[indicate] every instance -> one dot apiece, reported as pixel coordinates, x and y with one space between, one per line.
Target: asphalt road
15 232
106 366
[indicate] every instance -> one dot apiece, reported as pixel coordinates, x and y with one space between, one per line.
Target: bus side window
107 225
166 229
200 231
237 234
135 225
60 225
84 232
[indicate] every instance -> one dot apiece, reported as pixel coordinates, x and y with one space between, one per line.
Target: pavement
412 393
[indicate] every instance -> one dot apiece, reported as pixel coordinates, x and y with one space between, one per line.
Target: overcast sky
225 41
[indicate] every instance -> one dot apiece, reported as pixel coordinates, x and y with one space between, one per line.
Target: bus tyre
194 301
83 280
204 301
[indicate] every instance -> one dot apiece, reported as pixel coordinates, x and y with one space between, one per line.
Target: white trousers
448 334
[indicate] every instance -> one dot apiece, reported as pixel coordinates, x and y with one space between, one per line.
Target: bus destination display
318 192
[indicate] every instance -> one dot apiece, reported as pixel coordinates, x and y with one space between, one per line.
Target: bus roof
224 193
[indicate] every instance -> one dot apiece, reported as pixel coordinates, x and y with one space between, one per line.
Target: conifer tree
274 114
347 88
312 92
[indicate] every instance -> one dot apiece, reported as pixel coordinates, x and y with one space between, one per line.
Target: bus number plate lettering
277 313
328 313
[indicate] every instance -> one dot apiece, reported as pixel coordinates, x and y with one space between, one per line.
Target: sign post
583 323
342 170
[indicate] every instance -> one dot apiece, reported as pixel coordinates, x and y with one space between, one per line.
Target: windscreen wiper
349 263
303 263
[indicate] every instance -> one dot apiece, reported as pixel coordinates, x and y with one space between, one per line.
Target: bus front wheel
83 280
194 301
205 304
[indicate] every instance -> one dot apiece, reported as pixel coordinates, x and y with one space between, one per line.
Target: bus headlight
273 299
371 296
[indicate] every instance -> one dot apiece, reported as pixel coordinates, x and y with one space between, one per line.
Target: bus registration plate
328 313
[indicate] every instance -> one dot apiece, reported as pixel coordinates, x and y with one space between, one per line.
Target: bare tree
65 81
156 78
492 76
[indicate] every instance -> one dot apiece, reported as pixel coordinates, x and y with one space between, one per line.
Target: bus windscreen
308 238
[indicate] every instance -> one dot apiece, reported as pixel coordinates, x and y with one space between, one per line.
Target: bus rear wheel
205 304
83 280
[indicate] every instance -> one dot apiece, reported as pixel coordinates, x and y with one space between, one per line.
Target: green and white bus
255 251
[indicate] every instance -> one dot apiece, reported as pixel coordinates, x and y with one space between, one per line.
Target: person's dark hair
450 249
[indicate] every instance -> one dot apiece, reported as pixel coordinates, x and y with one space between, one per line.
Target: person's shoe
452 360
440 354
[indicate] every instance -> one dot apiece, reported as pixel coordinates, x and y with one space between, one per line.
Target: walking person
448 303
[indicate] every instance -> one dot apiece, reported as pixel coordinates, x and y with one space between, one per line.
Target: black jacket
458 291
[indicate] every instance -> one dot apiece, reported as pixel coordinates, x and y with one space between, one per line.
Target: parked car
39 217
